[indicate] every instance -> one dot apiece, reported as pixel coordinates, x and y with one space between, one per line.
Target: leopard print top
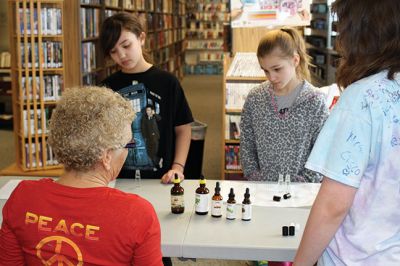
272 143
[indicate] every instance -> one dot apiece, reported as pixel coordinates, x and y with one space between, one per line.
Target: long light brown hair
289 41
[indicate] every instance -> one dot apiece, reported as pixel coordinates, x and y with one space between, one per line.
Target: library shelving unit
164 22
37 71
241 74
207 36
320 39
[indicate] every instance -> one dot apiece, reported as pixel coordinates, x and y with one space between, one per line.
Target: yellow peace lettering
42 223
61 227
90 230
73 232
31 218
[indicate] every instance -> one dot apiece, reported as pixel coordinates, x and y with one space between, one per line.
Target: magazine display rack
241 74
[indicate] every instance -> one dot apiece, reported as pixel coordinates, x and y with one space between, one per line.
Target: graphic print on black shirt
145 130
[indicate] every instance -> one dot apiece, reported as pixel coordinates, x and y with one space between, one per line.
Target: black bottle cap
291 230
231 194
285 230
276 198
247 194
287 196
217 187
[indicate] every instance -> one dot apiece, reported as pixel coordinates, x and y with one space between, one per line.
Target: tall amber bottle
177 196
216 202
202 198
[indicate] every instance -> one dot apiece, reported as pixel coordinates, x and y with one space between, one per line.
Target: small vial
137 179
280 183
287 184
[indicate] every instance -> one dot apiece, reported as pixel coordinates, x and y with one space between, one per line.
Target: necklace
282 115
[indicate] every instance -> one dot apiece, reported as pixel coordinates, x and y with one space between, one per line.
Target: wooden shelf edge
14 170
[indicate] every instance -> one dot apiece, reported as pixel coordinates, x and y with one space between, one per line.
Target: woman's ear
142 38
106 159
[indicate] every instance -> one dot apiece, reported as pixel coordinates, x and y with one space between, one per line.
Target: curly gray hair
87 121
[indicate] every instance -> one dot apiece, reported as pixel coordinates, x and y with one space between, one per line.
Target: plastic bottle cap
202 181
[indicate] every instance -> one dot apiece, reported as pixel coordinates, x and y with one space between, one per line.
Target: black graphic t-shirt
165 108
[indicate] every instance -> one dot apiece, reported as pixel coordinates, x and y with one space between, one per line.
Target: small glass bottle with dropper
177 196
216 202
246 206
231 206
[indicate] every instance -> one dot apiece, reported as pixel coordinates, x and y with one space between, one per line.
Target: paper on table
8 188
261 194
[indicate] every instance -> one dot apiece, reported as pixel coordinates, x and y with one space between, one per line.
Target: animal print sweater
272 143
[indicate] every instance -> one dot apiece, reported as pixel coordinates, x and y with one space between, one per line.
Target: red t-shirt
45 222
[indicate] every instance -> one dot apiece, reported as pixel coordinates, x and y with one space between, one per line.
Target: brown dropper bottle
177 196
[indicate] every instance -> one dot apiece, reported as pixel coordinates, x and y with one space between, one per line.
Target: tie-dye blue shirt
359 146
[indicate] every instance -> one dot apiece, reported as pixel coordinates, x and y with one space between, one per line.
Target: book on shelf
90 19
232 160
51 54
245 65
232 127
88 57
236 94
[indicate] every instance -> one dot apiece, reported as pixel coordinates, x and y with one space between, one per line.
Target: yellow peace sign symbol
58 258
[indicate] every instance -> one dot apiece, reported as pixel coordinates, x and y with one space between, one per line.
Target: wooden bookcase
37 45
320 40
231 168
164 22
208 31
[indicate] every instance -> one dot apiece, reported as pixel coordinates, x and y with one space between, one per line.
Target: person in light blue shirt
355 219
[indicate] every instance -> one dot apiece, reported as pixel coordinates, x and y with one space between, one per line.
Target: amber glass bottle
177 196
202 198
216 202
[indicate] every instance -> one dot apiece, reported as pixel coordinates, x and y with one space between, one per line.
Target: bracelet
181 165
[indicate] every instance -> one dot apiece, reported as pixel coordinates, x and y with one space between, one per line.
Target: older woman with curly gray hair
87 221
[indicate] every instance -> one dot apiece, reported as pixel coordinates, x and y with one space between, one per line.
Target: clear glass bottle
177 196
202 198
216 202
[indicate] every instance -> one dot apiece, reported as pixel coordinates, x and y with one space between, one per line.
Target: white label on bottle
216 207
246 212
177 201
202 202
230 211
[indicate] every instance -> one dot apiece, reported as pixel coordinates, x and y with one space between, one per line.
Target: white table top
195 236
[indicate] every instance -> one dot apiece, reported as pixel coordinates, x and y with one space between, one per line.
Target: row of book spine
31 149
236 94
90 19
50 21
49 89
51 54
36 120
88 57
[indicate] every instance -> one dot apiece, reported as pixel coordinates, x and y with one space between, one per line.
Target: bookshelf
241 74
164 21
37 72
320 38
207 35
